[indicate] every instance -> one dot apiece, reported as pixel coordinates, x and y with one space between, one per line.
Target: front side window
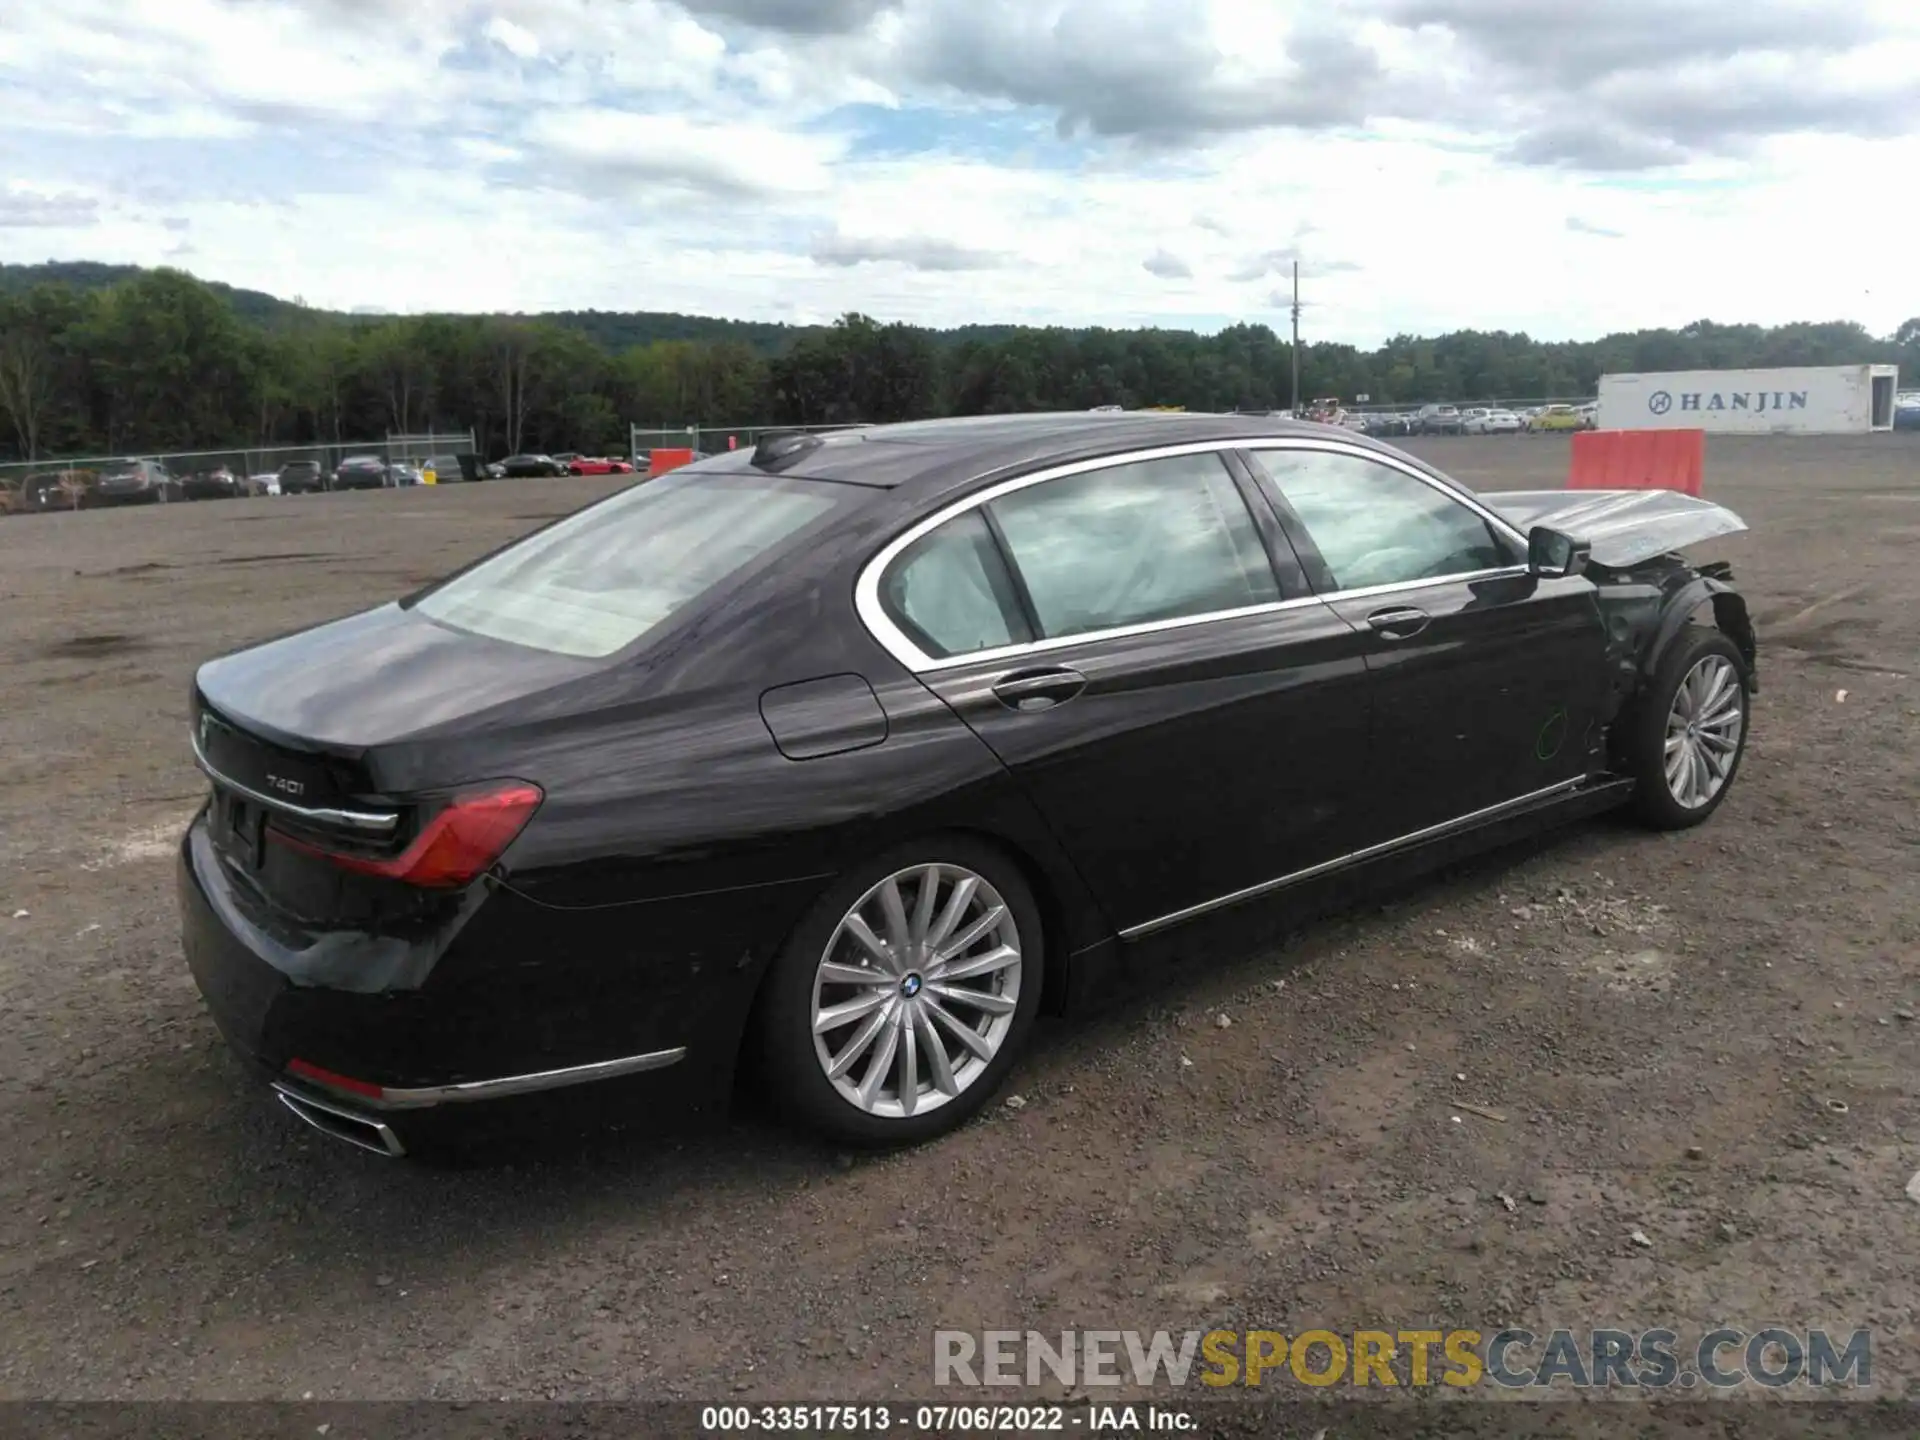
599 580
951 593
1376 525
1131 544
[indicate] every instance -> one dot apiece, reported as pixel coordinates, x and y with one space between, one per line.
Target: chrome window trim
1465 577
377 822
895 641
866 590
1393 462
924 665
1340 862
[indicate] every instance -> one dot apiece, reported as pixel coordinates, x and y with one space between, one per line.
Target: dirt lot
1708 1038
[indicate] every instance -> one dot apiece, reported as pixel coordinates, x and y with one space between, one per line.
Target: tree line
110 361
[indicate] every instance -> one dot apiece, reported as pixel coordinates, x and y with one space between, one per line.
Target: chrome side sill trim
1432 832
424 1097
378 822
342 1124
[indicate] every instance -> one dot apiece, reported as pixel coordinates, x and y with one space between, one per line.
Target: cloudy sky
1566 167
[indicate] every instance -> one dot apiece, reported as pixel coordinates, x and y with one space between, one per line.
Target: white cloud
1431 164
516 40
617 147
27 210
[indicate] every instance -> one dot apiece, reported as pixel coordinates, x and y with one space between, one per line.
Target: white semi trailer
1812 400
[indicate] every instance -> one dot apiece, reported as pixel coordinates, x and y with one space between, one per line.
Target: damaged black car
835 761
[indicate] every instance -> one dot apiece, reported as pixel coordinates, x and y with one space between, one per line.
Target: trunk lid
377 678
310 744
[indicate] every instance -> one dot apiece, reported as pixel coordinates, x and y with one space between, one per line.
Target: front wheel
898 1006
1688 731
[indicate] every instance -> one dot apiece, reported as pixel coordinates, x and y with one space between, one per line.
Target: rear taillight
457 845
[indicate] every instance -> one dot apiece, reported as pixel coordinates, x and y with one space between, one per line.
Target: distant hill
253 305
612 330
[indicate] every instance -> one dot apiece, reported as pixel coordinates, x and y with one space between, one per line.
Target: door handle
1027 690
1399 624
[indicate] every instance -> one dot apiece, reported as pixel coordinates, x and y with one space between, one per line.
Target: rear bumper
365 1066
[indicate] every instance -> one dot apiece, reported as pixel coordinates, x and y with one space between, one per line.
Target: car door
1186 717
1488 680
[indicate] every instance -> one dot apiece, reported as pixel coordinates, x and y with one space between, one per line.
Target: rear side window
951 593
1132 544
599 580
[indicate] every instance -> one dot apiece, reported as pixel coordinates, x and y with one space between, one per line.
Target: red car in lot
587 465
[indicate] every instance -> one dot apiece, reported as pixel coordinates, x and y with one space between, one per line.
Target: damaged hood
1624 527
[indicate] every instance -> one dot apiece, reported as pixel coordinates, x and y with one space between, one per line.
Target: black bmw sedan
849 754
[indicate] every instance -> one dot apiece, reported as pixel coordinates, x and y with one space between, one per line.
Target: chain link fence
73 483
709 439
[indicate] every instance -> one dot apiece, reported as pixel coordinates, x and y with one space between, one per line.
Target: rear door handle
1028 690
1399 624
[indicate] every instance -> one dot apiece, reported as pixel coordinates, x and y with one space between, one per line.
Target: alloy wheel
916 991
1704 728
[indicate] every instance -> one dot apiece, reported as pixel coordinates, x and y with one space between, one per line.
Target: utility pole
1296 339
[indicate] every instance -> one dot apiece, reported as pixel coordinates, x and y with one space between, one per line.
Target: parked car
219 483
522 466
404 472
54 490
1589 414
134 482
1906 411
302 477
1553 418
360 472
1490 422
1438 420
263 484
600 465
854 756
441 470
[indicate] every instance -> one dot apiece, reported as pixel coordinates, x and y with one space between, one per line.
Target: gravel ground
1708 1038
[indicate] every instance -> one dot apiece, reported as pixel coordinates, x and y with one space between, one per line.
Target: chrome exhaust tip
341 1123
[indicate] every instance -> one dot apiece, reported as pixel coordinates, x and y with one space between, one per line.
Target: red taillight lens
458 844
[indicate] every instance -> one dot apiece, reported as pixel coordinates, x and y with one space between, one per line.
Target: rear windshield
599 580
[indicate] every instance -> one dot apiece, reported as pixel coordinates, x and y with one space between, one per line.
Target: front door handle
1028 690
1399 624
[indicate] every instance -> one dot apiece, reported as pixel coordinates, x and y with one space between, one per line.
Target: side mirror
1553 555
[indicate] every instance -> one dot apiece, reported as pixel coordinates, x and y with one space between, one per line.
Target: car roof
931 456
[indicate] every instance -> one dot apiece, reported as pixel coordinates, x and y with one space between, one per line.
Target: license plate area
239 829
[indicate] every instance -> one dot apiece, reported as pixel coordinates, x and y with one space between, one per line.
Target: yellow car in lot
1557 417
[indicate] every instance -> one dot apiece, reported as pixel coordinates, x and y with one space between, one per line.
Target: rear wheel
898 1006
1689 731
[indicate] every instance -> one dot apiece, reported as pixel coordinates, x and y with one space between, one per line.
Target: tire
1710 661
796 1062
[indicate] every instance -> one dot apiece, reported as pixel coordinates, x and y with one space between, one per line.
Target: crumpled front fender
1729 614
